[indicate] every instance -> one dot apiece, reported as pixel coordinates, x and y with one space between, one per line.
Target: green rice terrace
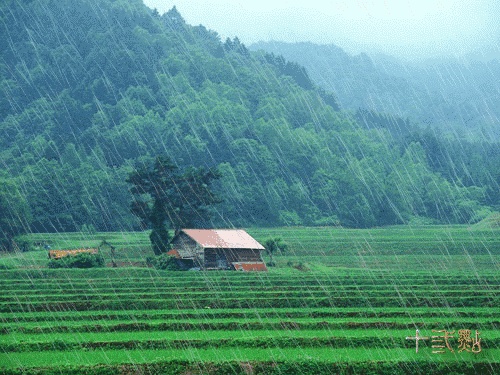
338 301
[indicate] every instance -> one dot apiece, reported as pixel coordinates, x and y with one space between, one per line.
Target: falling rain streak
372 182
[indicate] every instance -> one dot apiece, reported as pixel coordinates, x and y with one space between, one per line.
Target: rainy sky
406 28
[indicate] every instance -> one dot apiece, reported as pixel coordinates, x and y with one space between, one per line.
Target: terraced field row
299 360
162 315
257 318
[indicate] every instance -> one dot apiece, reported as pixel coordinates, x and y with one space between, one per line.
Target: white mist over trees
407 29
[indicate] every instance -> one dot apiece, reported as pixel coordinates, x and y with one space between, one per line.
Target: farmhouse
219 249
58 254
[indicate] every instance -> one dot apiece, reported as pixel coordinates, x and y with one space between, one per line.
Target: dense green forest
91 90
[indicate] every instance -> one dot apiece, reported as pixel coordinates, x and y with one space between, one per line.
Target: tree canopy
14 213
166 197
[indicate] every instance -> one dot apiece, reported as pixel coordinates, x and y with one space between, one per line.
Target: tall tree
167 198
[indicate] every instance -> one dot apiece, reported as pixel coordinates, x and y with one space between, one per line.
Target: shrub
272 246
167 262
24 245
83 260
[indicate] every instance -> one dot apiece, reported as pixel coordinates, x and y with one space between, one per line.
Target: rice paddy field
338 302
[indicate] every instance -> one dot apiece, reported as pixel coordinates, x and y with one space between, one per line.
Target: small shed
58 254
219 249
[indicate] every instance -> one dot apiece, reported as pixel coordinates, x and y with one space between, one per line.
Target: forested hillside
91 89
460 95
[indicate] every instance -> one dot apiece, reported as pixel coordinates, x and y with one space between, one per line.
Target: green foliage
82 260
15 215
299 266
165 197
88 229
166 262
273 246
400 90
78 113
492 221
160 239
23 244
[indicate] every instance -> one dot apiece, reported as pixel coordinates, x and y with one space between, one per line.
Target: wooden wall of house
210 258
186 246
213 256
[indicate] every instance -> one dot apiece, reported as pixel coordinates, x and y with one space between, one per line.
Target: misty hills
91 89
455 95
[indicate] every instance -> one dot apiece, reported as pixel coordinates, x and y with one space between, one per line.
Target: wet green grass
336 296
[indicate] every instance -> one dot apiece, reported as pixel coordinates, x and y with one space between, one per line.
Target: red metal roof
223 238
249 266
174 253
